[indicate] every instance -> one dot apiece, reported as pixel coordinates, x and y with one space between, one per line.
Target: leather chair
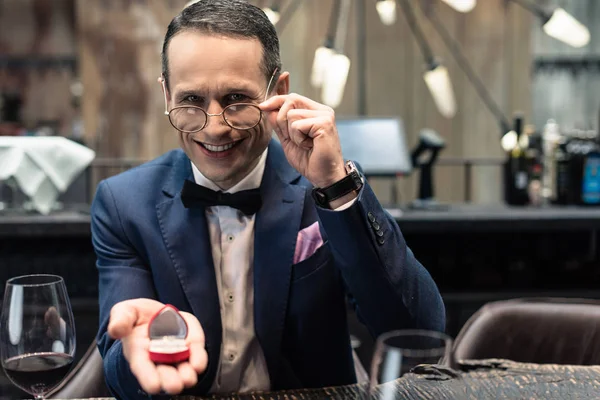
536 330
85 380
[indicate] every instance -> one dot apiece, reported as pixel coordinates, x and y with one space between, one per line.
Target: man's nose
215 120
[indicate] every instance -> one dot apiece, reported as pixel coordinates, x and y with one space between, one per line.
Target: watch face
167 331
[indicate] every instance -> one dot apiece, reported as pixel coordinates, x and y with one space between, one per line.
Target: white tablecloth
42 167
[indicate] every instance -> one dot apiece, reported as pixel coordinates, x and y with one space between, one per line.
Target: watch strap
348 184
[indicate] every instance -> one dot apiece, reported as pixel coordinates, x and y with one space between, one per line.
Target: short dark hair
234 18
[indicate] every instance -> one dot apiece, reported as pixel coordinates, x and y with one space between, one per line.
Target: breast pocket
306 267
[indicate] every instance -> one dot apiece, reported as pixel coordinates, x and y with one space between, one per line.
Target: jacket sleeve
390 289
122 276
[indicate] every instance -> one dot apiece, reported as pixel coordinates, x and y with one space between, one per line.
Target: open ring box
167 331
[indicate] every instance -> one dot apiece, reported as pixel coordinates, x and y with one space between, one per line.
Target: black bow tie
194 195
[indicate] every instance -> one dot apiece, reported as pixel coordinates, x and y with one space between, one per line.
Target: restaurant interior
475 122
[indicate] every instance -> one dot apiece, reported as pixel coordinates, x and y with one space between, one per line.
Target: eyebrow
237 88
240 86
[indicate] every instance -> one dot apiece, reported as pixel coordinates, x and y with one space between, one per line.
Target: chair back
536 330
85 380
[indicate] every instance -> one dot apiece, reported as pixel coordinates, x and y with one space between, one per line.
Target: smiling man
257 242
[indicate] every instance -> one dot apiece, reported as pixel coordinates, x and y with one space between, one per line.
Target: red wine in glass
38 372
37 333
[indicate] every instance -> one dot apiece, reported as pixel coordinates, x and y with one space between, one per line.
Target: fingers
124 316
170 380
195 341
304 131
188 375
315 121
128 322
273 103
51 316
52 320
281 122
291 111
276 102
156 377
283 110
136 352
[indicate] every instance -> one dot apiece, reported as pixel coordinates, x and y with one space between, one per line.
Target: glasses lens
242 116
187 119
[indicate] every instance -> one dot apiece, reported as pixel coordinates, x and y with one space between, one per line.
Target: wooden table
484 379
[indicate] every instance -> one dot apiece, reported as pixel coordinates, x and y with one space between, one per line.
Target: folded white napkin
43 167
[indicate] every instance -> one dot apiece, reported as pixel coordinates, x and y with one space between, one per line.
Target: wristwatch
352 182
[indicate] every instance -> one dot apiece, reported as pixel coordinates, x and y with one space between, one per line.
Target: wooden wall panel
35 33
120 44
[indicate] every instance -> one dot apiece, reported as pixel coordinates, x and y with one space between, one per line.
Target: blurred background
87 71
502 94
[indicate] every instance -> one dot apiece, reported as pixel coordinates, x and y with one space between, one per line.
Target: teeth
218 148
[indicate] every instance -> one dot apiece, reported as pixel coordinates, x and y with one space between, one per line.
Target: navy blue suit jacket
149 246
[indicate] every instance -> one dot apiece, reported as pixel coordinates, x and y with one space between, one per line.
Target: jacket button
380 240
375 225
379 233
371 216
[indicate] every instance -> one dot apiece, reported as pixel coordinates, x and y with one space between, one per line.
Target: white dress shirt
242 365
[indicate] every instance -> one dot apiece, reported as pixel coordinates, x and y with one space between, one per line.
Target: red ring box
167 331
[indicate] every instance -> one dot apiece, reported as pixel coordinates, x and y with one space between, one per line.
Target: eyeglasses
190 119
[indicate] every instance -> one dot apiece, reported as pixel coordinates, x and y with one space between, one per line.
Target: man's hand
308 135
56 325
129 322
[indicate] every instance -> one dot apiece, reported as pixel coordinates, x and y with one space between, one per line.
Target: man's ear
161 81
283 84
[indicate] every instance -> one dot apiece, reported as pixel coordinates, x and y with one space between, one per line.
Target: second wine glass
399 352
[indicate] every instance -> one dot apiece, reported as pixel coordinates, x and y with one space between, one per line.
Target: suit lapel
185 234
276 229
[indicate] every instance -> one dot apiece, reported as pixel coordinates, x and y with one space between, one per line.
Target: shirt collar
250 181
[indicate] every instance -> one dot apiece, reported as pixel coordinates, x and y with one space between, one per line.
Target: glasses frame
221 114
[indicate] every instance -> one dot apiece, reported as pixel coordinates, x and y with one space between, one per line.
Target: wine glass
399 352
37 333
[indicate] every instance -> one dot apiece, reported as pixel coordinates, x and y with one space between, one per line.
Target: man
261 282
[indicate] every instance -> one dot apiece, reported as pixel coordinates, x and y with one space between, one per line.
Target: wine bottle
517 169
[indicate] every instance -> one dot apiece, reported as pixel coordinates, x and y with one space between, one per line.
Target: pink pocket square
308 242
